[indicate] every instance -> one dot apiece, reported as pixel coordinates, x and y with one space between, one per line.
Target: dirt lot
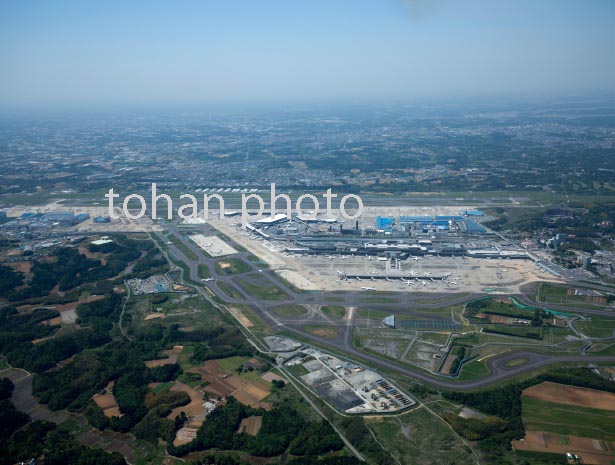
153 316
241 317
497 319
448 364
570 395
329 333
591 451
185 435
250 425
269 376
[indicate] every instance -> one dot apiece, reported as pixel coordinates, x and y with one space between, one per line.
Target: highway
404 303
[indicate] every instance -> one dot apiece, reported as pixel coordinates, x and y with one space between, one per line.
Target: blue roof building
384 222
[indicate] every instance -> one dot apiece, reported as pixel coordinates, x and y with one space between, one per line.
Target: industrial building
81 217
60 218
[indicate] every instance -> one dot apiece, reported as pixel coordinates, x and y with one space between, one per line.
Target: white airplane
416 259
426 273
452 282
207 279
330 257
408 282
368 288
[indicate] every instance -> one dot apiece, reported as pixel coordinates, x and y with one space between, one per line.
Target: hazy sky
301 50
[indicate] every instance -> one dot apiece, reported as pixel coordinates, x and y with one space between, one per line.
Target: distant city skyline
69 52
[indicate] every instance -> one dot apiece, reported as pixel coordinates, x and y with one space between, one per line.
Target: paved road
406 303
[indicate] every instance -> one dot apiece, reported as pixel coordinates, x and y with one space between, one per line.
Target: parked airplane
368 288
416 259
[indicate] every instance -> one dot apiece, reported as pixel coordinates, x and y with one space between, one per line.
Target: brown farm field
219 383
107 402
195 409
250 425
571 395
251 394
591 451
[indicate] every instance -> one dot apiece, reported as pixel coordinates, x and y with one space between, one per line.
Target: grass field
257 261
231 364
321 330
265 291
290 310
539 415
232 266
554 294
163 386
203 272
597 327
228 290
518 331
333 311
473 370
420 438
373 314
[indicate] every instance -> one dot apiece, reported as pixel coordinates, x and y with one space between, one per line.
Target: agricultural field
539 415
559 419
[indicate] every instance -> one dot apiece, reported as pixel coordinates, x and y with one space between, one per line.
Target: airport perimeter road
499 371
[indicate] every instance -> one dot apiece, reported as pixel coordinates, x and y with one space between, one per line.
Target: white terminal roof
269 219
